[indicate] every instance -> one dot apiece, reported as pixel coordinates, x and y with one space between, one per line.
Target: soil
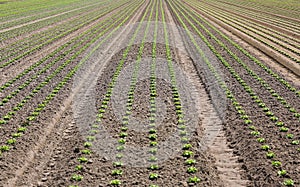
225 152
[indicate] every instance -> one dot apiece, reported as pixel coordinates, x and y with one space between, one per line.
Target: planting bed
149 93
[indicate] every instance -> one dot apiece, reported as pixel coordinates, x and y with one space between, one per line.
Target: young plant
11 141
282 172
87 144
115 182
288 182
76 177
265 147
152 159
187 153
194 179
117 172
290 136
192 169
261 140
284 129
187 146
190 162
270 155
86 151
153 176
82 159
154 167
78 167
152 137
276 163
4 148
255 133
118 164
295 142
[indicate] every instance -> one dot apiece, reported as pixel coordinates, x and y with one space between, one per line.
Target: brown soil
226 153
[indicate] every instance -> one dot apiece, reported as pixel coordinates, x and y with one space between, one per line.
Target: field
150 93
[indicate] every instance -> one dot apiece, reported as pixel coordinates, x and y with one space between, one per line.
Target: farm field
150 93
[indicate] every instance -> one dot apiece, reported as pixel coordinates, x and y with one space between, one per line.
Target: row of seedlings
36 112
259 79
77 176
187 148
238 107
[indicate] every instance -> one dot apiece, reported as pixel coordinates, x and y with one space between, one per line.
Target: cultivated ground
150 93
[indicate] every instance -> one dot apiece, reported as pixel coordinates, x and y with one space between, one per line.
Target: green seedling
192 169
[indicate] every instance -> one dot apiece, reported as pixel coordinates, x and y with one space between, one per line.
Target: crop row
36 112
15 10
30 16
152 120
254 59
130 100
249 71
285 38
14 93
59 53
32 45
95 128
247 88
186 146
27 28
266 18
43 38
255 22
235 75
273 7
254 29
11 95
267 43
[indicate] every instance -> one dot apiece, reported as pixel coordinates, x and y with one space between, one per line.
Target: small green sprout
194 179
282 172
122 141
192 169
115 182
261 140
118 164
290 136
152 136
82 159
187 153
152 159
86 151
153 143
295 142
187 146
153 176
276 163
255 133
190 161
153 150
154 167
11 141
76 177
288 182
4 148
22 129
265 147
117 172
123 134
78 167
284 129
87 144
270 155
279 123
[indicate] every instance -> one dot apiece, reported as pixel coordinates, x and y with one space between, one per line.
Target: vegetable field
150 93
